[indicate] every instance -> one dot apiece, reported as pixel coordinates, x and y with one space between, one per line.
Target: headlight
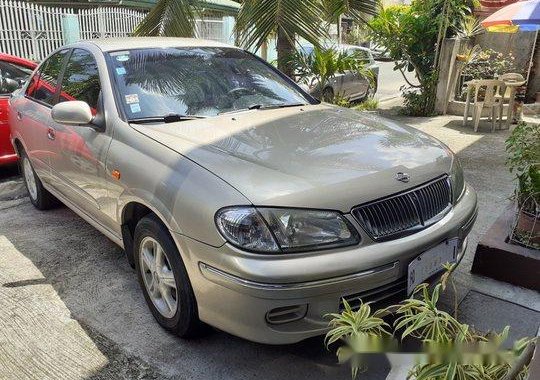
274 230
456 178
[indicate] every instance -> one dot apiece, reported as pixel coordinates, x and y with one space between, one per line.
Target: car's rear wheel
164 280
39 196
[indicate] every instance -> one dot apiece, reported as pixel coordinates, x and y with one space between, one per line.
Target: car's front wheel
39 196
164 280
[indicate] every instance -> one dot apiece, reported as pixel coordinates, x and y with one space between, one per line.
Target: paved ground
70 306
390 81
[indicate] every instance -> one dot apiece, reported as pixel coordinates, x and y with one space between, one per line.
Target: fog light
286 314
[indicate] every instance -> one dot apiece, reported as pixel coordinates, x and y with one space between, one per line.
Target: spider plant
359 330
454 350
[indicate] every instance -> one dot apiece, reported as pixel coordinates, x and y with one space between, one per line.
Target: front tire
39 196
164 280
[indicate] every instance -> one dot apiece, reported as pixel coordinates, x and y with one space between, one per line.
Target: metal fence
105 22
32 31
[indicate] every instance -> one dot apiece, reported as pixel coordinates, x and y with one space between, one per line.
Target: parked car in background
14 71
241 201
348 85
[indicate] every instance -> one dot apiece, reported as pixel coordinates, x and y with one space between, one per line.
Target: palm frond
170 18
258 19
357 9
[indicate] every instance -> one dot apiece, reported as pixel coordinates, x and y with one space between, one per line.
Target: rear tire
39 196
164 279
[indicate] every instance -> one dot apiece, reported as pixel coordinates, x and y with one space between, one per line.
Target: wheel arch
130 214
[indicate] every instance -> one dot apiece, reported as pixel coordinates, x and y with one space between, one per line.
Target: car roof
18 60
126 43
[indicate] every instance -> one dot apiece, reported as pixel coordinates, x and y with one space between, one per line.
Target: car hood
316 156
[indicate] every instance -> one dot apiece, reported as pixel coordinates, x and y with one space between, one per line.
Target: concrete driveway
71 308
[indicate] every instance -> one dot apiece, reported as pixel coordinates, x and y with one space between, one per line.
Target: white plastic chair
489 100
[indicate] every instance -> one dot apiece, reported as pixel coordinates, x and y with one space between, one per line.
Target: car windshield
197 81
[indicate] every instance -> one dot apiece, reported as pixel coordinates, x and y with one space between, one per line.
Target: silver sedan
242 202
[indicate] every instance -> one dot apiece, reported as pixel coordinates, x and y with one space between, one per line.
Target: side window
42 86
81 79
12 77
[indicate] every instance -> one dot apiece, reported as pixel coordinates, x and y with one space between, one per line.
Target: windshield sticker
120 70
135 107
122 58
132 98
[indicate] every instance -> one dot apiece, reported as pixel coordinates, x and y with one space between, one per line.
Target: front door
80 151
33 113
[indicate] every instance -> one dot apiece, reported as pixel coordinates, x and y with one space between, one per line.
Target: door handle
50 134
19 115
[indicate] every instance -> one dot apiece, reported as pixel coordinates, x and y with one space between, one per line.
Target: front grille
405 213
380 297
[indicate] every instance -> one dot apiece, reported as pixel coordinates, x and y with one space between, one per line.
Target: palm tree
170 18
260 19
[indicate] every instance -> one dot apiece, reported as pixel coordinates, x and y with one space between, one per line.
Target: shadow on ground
91 276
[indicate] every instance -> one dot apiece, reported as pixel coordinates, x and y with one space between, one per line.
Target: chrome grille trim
406 213
379 297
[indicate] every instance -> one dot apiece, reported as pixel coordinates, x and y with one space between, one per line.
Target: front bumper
283 299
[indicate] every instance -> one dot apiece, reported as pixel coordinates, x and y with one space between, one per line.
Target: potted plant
523 148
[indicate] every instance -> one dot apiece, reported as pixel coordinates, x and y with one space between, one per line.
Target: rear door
79 151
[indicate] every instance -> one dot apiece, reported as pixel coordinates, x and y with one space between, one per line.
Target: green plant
523 149
412 36
355 329
468 27
369 104
172 18
453 350
290 19
489 64
409 34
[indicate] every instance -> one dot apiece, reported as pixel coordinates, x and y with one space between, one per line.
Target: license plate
430 262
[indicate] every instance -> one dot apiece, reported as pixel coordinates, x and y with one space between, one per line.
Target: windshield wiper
259 106
170 118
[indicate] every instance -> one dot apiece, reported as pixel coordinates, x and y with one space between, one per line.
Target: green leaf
170 18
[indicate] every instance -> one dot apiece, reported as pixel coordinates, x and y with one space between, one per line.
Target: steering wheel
239 91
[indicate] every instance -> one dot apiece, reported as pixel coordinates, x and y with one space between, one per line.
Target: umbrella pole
532 56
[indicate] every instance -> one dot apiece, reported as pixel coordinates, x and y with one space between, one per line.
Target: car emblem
402 177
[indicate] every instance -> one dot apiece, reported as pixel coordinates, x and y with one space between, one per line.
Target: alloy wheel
29 178
158 277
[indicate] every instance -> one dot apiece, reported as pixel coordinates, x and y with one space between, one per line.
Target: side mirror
72 112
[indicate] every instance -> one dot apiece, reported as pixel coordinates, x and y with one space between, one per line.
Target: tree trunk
285 49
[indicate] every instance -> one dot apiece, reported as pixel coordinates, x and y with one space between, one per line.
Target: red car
14 71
